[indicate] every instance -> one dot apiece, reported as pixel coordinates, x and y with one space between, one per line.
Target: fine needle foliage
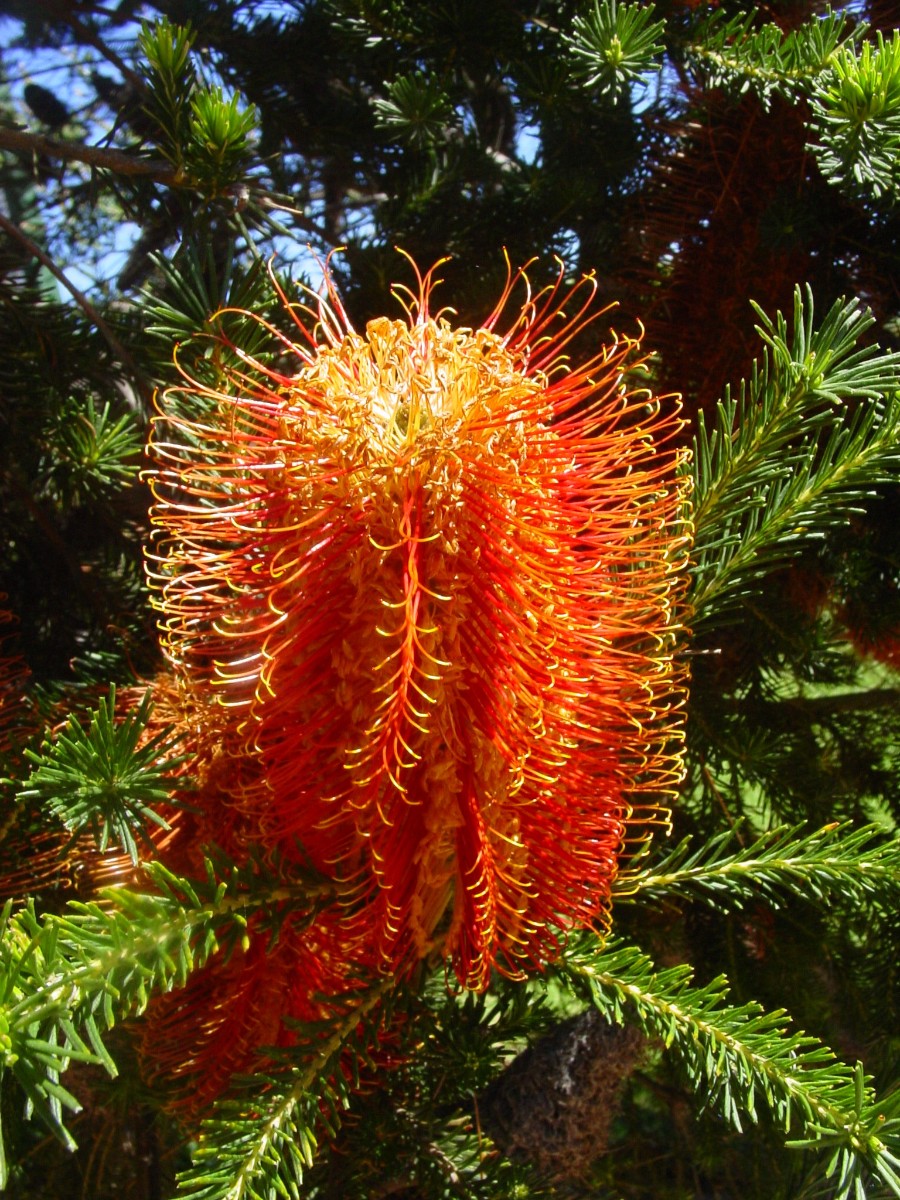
614 45
100 781
435 762
858 117
739 1056
802 444
857 863
739 53
72 977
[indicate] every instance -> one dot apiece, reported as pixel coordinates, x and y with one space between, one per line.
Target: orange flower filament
426 577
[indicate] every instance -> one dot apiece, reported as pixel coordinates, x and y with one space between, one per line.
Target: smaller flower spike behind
240 1010
427 579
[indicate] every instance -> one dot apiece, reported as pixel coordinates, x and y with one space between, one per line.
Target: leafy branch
261 1145
98 452
738 54
788 457
416 111
73 976
171 81
739 1055
614 45
204 134
819 864
856 117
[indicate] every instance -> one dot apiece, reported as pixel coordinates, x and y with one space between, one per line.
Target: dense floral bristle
232 1015
424 580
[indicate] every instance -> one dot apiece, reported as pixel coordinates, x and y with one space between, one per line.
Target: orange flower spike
433 575
226 1020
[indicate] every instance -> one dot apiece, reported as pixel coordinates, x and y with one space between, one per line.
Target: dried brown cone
553 1105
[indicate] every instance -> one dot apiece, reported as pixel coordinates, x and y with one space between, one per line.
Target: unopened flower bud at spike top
430 576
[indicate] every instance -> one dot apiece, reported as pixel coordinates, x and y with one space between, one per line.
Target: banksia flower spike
233 1013
427 578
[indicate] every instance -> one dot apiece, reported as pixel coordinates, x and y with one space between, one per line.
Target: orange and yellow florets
424 581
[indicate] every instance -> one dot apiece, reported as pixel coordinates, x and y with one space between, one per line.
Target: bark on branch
155 169
121 163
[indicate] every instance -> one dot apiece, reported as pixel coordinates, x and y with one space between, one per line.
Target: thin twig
880 697
87 32
157 170
122 354
711 783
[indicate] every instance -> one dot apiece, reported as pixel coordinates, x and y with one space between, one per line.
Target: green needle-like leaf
781 862
856 117
808 437
739 1056
416 110
614 45
260 1146
103 780
737 53
67 979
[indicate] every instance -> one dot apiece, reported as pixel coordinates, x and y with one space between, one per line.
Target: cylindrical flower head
430 573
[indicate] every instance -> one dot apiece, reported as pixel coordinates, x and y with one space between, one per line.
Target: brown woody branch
881 697
157 170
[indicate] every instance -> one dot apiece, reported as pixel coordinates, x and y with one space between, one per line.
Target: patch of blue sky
64 72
